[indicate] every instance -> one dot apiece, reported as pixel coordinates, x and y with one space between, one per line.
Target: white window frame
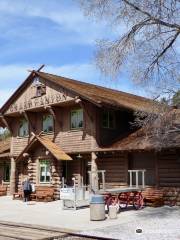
23 124
46 164
43 123
79 113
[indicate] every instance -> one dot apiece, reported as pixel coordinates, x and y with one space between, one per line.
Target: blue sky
54 33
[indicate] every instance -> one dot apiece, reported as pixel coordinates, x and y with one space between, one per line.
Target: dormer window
23 128
48 123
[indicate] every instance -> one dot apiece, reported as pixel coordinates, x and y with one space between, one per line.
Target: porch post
13 176
94 174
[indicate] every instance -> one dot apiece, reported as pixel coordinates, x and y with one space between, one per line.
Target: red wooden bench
44 193
153 197
3 190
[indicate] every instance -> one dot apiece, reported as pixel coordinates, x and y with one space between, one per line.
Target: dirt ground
155 223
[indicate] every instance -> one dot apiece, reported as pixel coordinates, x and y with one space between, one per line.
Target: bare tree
148 46
161 127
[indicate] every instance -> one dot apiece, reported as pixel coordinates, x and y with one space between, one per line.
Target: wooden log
13 176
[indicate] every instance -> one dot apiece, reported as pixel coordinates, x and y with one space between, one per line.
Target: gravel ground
155 223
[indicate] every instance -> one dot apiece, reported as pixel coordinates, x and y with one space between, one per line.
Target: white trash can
97 208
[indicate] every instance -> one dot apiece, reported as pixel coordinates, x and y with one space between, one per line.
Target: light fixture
79 156
47 152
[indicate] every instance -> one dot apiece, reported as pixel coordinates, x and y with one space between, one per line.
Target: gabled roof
55 150
96 94
101 95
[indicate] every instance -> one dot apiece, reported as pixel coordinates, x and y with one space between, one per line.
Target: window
38 88
48 123
108 119
6 172
44 171
23 128
76 119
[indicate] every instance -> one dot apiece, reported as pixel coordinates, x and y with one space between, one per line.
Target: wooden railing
137 173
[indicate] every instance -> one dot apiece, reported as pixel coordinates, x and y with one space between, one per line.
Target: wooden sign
42 101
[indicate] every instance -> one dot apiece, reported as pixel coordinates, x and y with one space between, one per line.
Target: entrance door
77 168
144 161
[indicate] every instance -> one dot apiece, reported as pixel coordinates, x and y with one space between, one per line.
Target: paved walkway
156 223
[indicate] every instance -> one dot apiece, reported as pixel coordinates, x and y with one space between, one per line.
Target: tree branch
157 20
165 49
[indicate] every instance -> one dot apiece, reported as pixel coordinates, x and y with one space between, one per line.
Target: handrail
137 171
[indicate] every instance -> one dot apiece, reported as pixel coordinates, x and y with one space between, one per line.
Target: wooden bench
44 193
3 190
153 197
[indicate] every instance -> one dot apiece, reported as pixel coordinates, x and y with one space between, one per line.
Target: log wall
171 195
116 167
169 168
30 167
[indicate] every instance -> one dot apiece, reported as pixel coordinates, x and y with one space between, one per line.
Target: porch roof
139 140
5 148
55 150
4 155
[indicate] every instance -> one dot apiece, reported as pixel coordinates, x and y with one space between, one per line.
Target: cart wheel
138 201
123 201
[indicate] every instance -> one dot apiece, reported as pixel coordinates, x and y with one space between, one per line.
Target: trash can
97 208
112 211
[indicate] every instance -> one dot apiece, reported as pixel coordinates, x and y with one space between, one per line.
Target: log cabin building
58 125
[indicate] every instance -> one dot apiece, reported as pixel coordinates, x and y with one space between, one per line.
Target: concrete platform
156 223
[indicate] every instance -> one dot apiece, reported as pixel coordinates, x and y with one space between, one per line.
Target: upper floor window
23 128
76 119
108 119
6 177
48 123
44 171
